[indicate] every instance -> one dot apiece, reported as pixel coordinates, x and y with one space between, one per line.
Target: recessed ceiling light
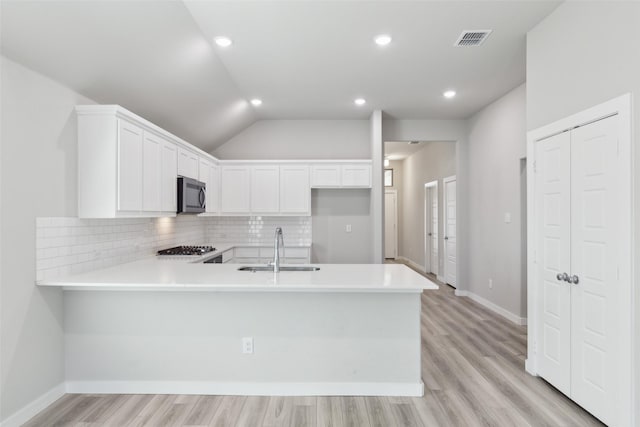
382 40
256 102
360 101
223 41
449 94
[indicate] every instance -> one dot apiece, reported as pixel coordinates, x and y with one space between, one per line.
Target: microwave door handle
202 198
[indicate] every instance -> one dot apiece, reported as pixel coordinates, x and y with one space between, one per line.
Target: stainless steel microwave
192 195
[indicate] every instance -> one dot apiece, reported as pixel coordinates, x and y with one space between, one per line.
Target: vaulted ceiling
304 59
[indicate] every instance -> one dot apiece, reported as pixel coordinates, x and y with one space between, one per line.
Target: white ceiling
304 59
148 56
311 59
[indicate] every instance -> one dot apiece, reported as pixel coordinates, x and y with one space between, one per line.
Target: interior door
450 230
594 261
553 207
433 195
390 225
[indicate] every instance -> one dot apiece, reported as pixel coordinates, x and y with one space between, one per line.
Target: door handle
202 197
446 238
429 234
574 279
563 277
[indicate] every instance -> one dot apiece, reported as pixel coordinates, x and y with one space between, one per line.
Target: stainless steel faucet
276 250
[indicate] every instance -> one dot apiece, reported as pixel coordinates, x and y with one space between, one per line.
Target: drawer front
247 252
295 261
227 256
247 261
296 252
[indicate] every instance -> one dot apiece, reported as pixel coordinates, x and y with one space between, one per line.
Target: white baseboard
246 388
529 367
412 263
493 307
32 409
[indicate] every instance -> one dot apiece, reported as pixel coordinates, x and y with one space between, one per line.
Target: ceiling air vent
472 38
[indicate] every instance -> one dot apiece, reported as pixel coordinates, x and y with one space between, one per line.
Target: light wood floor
473 371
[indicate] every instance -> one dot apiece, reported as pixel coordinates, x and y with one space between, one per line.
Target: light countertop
155 274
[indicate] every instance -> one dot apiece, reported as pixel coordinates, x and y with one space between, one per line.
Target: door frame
431 188
395 208
443 278
620 106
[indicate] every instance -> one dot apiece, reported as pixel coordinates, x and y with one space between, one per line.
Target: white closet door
433 196
450 249
553 186
594 200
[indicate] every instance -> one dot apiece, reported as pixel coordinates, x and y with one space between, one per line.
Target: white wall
300 139
437 160
39 163
582 54
332 211
497 142
441 130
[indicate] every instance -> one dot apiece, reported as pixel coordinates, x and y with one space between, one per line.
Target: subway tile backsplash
73 245
259 229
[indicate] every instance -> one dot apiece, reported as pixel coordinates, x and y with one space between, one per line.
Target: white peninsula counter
163 326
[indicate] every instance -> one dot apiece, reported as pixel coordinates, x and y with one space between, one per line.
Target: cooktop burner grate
187 250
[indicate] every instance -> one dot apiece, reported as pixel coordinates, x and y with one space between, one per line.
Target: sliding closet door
553 212
594 261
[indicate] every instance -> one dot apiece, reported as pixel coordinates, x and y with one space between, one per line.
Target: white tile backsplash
73 245
259 229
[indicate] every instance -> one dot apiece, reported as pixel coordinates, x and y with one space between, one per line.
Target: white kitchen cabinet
188 163
235 190
295 191
264 255
341 175
169 177
127 166
130 139
325 175
152 147
356 175
208 172
265 189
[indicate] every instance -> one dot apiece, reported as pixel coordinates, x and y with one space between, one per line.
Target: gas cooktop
187 250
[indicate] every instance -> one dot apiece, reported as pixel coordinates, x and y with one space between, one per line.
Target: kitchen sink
286 268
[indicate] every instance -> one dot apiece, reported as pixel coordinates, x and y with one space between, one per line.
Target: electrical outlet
507 217
247 345
490 283
348 228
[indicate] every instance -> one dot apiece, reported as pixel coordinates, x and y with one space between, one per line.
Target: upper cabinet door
129 167
325 176
208 174
151 173
235 189
169 177
295 192
188 163
355 175
265 189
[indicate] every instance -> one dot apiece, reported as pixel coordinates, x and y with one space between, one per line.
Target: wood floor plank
203 411
228 411
278 412
253 411
329 412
